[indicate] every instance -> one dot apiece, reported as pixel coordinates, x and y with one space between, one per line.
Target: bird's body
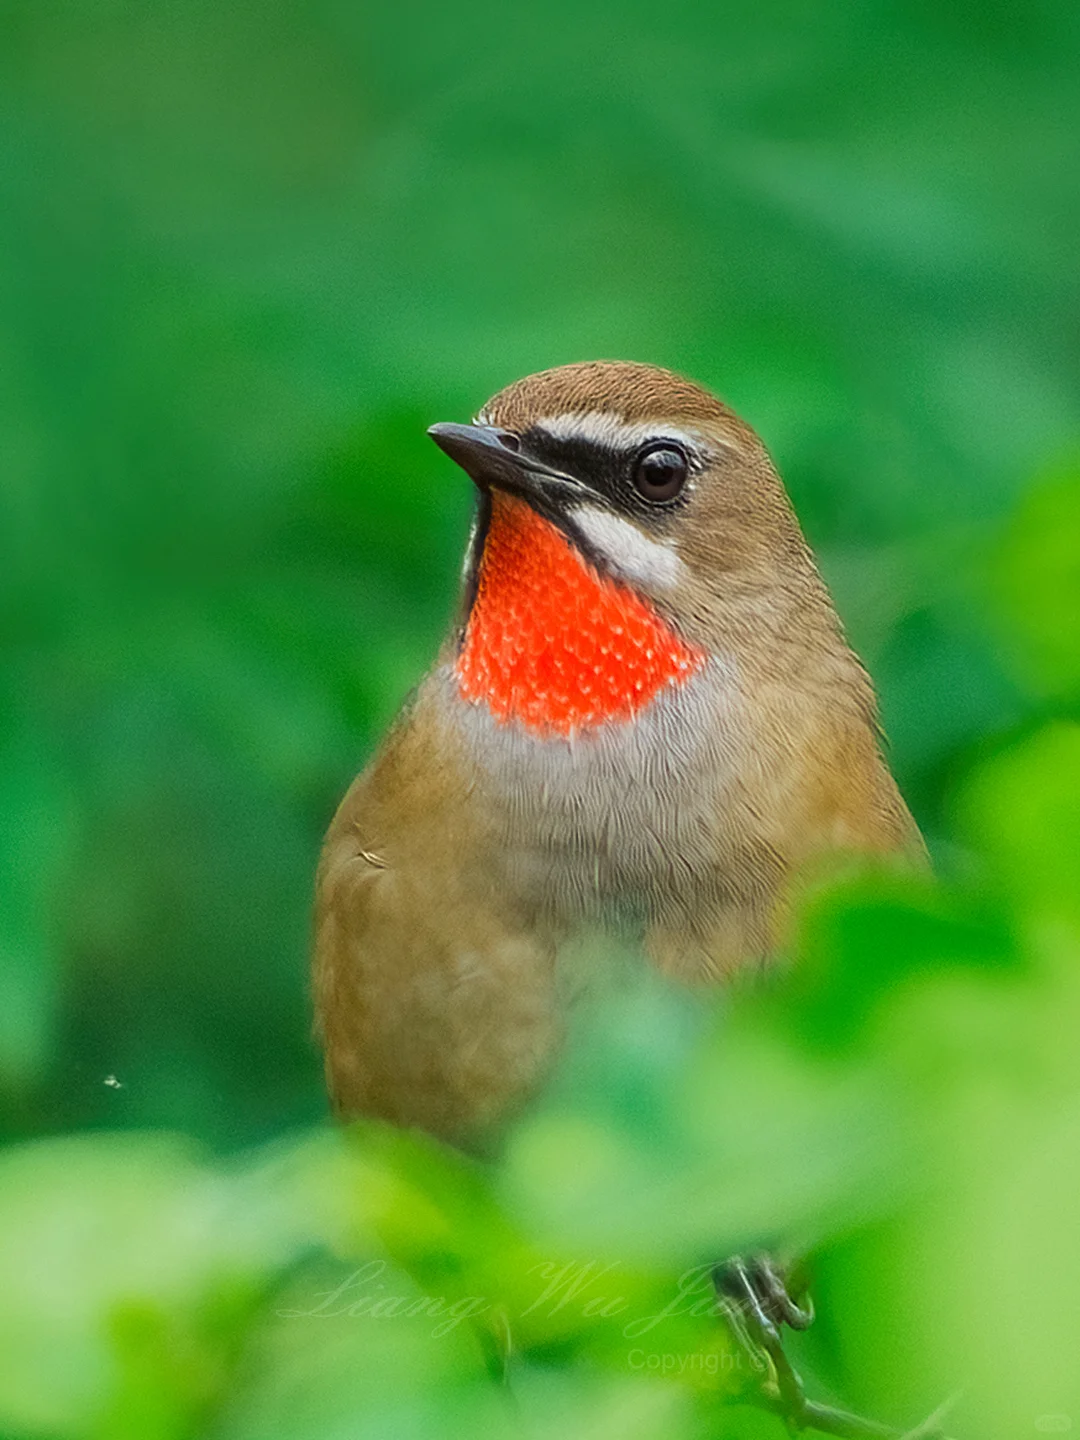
646 719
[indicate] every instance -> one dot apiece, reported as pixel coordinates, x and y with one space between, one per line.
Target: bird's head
616 499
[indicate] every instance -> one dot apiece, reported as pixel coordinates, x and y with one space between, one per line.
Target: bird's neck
552 644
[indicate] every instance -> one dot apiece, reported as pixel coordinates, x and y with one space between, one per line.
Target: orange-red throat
553 644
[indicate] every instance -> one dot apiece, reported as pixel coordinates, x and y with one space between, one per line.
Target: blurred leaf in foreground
1035 586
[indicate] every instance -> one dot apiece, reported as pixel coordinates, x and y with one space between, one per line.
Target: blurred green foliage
250 251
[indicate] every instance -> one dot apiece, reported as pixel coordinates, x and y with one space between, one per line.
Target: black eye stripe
574 452
610 470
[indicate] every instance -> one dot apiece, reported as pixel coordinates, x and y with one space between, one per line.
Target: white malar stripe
602 427
634 555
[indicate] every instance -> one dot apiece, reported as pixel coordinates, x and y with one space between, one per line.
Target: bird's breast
615 817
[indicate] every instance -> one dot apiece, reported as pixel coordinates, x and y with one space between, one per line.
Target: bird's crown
615 391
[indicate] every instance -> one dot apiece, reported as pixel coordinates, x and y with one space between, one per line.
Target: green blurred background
250 251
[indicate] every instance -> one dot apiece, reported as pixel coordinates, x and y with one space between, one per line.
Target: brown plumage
627 520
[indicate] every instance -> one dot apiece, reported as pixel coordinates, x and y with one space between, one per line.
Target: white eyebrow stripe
604 428
634 555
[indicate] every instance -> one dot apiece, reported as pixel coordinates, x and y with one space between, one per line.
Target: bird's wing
434 1000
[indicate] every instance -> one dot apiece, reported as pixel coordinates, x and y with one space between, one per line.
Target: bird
645 720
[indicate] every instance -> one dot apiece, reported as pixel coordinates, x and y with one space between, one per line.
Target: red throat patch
553 644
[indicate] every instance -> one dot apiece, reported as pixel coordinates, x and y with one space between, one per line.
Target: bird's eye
660 472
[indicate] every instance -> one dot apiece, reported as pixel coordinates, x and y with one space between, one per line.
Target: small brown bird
646 717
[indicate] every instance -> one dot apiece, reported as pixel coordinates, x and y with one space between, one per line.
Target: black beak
494 458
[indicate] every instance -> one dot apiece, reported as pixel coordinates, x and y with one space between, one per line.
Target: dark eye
660 473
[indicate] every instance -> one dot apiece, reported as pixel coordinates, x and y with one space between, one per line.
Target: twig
756 1324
